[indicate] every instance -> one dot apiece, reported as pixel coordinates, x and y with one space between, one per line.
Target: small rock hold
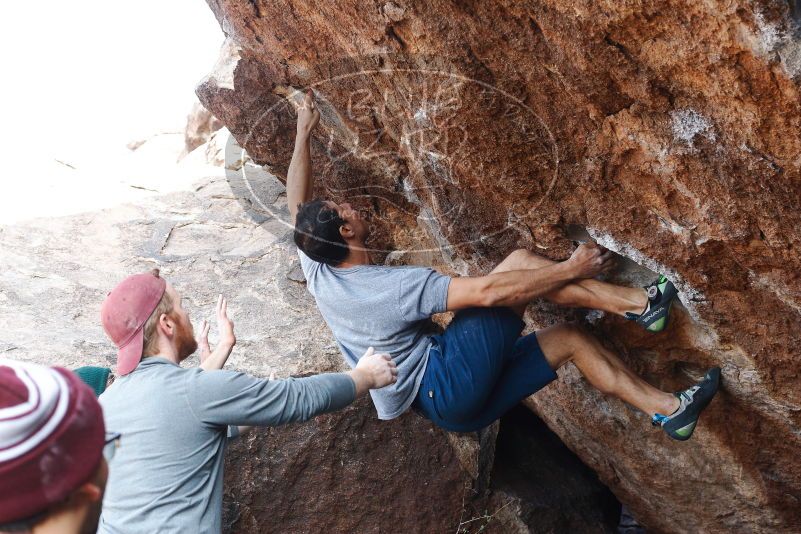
393 11
133 145
296 274
396 257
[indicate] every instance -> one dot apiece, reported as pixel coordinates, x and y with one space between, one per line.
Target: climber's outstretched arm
299 177
518 287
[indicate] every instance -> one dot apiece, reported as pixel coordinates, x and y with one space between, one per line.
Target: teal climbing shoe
680 424
660 299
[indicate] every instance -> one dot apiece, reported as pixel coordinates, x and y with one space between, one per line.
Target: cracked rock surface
666 131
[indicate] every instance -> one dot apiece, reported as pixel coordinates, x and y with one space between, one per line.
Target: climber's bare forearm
510 288
513 288
519 287
299 177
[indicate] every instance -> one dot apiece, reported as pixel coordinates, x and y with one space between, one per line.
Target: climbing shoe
681 423
660 299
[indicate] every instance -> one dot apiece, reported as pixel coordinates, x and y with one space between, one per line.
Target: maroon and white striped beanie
51 437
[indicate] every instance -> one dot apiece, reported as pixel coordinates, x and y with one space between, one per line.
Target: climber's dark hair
317 233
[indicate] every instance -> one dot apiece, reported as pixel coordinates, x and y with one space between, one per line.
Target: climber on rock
480 367
175 421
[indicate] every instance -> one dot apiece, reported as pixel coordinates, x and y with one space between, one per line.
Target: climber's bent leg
479 369
603 369
587 293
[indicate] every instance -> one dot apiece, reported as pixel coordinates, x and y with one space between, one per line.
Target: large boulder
346 472
667 131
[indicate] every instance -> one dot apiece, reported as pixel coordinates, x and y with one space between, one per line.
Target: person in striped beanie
52 435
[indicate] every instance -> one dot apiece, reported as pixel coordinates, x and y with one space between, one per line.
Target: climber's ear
346 231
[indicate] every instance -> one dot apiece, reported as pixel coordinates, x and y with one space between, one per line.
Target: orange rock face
667 131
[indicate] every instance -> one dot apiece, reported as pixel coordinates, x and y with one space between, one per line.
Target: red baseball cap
125 312
51 437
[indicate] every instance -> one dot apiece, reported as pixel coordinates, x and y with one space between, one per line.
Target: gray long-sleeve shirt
167 474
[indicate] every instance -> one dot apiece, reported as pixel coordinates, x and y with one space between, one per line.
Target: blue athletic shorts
479 369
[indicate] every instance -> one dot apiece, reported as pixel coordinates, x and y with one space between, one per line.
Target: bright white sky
82 79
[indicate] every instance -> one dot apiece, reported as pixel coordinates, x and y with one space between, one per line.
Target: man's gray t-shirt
167 474
386 308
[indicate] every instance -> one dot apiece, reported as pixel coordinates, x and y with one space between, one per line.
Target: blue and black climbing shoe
681 423
660 299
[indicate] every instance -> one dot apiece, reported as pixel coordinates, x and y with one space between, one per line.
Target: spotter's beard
185 340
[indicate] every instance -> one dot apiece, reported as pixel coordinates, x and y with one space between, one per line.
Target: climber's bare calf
602 368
